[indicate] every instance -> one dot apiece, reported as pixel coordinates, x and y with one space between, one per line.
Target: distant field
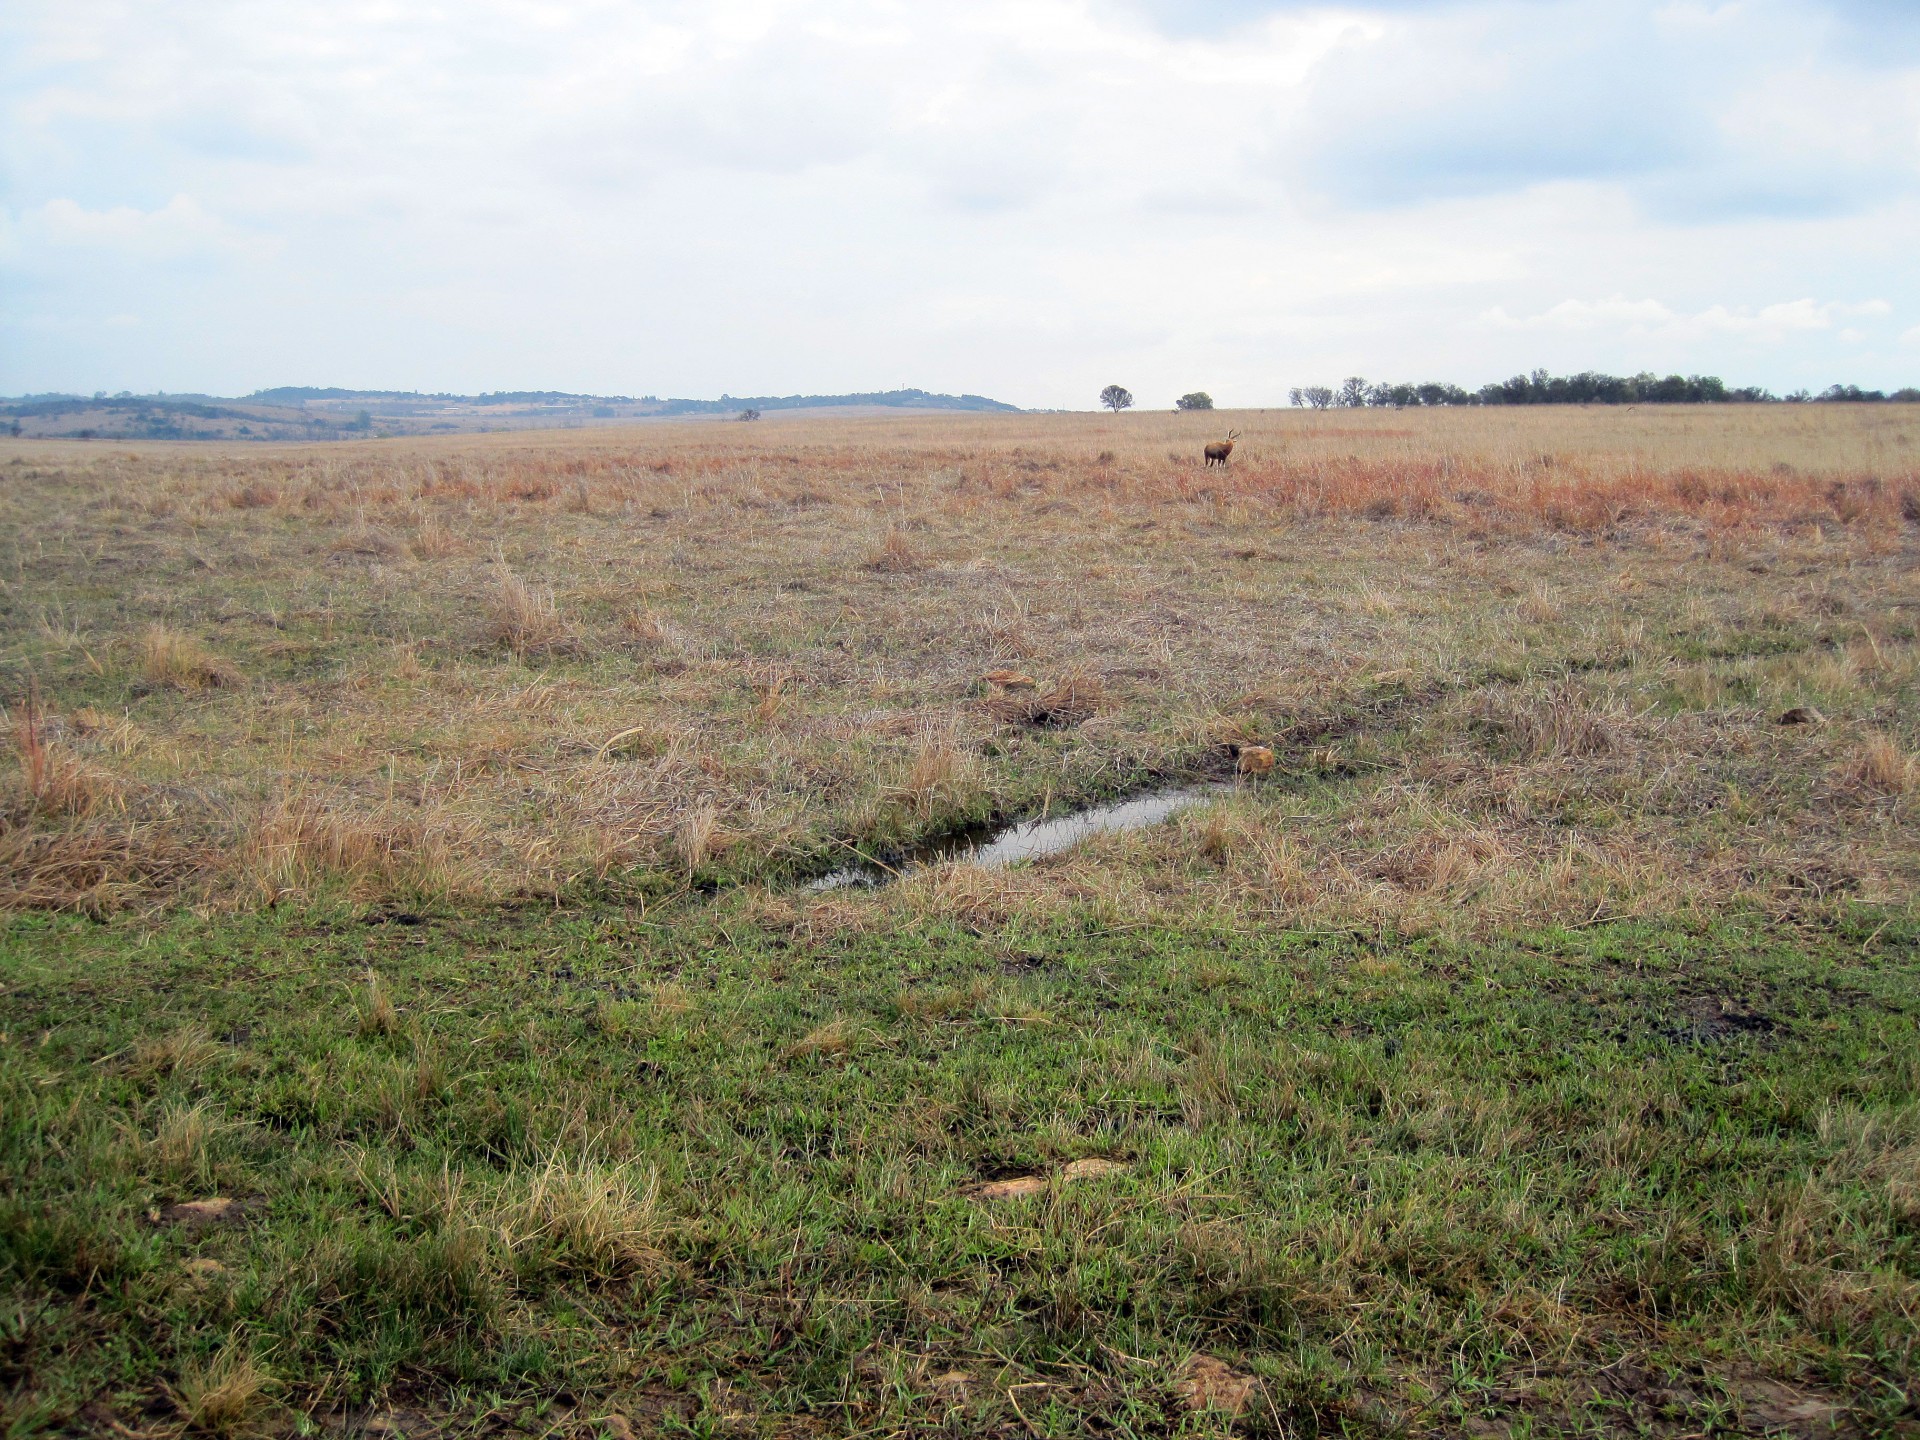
406 840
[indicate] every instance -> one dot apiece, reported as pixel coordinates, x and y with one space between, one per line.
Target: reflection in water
993 848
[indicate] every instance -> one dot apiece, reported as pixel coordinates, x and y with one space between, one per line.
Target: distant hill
315 412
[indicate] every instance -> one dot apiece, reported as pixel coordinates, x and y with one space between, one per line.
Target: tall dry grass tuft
301 844
698 838
1880 765
57 781
433 540
896 554
173 660
936 779
180 1052
526 617
594 1219
182 1140
226 1395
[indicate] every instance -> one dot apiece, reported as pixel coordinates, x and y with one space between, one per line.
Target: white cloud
1023 197
179 230
1770 323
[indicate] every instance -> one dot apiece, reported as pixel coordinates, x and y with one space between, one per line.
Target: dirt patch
1708 1018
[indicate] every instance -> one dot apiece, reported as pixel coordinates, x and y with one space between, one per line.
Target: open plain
416 1019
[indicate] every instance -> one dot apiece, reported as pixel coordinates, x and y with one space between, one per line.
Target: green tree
1198 400
1117 398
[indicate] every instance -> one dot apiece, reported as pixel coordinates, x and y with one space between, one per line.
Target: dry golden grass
180 1052
181 1140
170 659
594 1218
227 1396
507 665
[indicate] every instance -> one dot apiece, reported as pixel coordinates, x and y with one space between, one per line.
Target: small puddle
998 846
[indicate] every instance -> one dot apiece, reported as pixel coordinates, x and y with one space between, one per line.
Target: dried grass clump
173 660
896 554
1072 701
256 495
594 1219
1565 722
698 837
432 540
181 1052
937 778
301 843
1881 766
94 870
226 1395
526 618
180 1149
56 781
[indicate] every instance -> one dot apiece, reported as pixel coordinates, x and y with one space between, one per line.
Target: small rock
1010 680
1207 1383
1009 1189
1802 715
1014 1186
1254 760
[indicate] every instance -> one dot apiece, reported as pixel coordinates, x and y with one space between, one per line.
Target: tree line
1590 387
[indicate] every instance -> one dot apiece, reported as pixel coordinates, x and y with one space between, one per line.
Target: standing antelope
1219 450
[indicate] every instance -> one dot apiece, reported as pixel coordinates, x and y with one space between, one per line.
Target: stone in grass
201 1214
201 1269
1802 715
1210 1384
1014 1186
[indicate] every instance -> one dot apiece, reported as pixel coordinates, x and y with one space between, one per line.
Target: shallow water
997 846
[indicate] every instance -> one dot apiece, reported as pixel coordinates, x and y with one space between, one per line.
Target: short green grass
522 1170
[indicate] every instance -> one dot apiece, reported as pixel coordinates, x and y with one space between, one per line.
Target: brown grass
226 1395
526 617
173 660
1412 607
594 1218
1881 765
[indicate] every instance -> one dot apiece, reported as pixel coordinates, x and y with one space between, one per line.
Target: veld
414 1011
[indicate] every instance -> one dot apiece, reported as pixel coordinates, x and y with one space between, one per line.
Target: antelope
1219 450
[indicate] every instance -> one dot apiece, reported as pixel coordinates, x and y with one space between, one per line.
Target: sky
1027 199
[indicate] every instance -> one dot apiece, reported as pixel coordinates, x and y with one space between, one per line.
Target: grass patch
706 1166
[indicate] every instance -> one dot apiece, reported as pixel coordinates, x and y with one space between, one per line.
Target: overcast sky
1021 198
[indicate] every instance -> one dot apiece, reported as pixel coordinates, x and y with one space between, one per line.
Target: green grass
710 1171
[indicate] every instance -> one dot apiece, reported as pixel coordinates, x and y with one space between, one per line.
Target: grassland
402 845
